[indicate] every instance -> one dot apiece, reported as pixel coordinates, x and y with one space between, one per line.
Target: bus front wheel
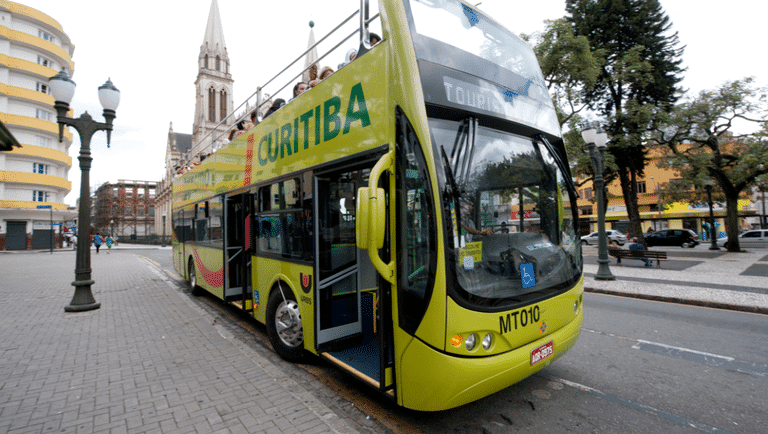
284 326
193 288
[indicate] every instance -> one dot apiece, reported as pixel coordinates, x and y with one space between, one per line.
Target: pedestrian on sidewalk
74 242
97 242
637 246
109 242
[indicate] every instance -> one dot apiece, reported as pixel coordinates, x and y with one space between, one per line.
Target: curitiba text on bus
327 120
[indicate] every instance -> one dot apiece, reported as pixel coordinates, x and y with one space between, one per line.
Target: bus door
348 295
237 249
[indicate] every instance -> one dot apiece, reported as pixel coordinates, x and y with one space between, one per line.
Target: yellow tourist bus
410 219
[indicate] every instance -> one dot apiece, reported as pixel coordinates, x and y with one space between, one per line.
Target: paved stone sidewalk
149 360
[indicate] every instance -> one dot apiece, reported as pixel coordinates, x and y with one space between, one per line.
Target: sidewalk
149 360
737 281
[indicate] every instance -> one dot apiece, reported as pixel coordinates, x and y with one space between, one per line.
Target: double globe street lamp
63 89
597 138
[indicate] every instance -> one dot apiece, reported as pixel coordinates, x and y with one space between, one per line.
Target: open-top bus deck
411 218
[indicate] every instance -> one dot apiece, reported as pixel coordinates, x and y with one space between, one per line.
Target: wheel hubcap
192 277
288 323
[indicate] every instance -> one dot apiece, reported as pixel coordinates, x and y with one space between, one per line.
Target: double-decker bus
410 219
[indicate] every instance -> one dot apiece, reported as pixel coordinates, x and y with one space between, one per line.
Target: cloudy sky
149 49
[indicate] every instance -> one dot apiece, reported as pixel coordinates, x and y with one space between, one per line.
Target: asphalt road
639 366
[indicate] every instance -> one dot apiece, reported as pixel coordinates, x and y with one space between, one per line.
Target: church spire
213 42
214 85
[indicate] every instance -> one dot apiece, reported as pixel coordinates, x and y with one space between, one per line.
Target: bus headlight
470 342
487 341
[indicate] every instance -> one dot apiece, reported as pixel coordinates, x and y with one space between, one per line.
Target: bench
638 254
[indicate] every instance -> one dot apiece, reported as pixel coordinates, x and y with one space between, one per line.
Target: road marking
726 362
687 350
679 420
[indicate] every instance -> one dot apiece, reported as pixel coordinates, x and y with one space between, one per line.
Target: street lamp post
708 183
63 89
598 139
164 216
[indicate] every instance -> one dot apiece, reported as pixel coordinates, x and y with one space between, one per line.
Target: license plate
542 353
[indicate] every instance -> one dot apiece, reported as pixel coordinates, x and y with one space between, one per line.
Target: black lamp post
63 89
598 139
708 183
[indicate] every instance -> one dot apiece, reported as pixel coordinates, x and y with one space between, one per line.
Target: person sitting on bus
324 73
275 107
298 89
351 54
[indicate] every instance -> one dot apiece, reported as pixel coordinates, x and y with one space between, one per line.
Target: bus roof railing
212 136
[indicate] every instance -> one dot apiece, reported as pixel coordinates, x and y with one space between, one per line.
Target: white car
610 235
756 238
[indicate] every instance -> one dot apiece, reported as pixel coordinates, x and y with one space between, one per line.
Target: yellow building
654 211
34 177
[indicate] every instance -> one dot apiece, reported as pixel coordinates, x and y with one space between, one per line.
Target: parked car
673 237
756 238
610 234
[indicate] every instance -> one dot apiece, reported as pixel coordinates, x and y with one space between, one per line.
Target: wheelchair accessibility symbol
527 275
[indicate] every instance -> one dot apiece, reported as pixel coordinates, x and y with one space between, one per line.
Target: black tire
584 242
192 278
284 326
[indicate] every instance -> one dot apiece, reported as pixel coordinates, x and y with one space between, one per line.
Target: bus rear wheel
284 326
193 288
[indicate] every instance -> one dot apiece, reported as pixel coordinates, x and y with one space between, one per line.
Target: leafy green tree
640 73
570 67
700 143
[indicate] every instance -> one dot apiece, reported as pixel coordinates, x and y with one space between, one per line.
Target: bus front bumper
433 380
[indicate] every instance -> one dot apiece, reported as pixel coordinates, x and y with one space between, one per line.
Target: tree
570 68
700 143
568 65
640 73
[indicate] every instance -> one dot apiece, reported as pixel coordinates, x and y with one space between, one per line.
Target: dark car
672 237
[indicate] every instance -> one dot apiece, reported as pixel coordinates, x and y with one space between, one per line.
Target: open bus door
353 311
237 250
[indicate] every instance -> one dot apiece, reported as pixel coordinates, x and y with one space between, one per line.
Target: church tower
214 85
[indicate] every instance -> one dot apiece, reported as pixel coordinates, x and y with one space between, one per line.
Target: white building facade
33 178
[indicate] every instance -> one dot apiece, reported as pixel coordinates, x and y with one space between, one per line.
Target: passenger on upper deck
351 54
275 107
324 73
298 89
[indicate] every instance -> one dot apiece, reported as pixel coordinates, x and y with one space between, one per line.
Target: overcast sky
150 48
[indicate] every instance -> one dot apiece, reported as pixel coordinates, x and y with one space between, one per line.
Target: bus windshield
460 26
510 216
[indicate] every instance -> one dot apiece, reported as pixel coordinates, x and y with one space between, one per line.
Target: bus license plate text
542 353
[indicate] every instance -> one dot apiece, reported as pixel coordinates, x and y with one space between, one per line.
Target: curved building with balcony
33 178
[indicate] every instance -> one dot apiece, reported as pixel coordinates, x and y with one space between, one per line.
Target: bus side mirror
371 218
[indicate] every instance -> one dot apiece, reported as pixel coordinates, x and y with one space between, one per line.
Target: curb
688 301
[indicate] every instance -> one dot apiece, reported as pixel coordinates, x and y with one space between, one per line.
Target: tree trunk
732 221
628 183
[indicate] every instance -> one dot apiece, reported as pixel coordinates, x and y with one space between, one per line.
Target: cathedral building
213 103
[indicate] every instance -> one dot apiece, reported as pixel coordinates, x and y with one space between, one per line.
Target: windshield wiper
560 163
